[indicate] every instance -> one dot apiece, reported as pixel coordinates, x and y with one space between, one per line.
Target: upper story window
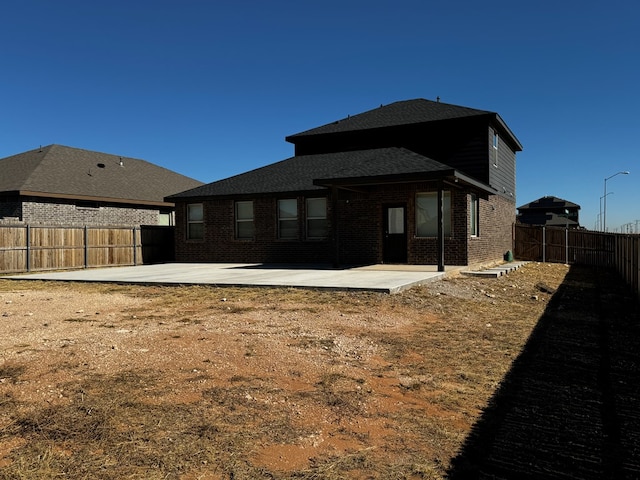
288 218
427 214
195 221
474 215
244 220
496 141
316 218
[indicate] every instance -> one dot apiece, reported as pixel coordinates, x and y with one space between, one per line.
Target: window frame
310 218
293 219
495 144
447 201
474 215
194 222
242 220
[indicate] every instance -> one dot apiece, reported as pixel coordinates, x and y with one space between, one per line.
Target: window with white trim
427 214
496 141
316 218
244 220
474 215
195 221
288 218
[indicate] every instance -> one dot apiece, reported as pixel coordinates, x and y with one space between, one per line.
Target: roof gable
58 170
549 202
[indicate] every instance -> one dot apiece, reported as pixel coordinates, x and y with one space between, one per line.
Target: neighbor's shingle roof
398 113
548 202
309 172
57 170
549 219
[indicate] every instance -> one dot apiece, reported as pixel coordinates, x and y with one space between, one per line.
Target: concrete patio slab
376 278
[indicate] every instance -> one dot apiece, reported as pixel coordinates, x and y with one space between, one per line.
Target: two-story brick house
416 181
550 211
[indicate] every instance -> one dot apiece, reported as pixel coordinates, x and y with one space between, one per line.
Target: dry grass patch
221 383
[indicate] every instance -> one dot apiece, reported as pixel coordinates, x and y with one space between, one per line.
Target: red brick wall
359 232
361 226
220 245
497 216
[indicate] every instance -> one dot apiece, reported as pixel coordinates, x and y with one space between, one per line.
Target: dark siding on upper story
502 168
458 143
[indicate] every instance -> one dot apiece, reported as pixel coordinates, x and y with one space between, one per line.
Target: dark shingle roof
73 172
398 113
548 203
309 172
548 219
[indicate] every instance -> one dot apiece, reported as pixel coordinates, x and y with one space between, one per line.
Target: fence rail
599 249
26 248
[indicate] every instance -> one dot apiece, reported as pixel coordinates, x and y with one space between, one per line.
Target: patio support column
440 228
334 226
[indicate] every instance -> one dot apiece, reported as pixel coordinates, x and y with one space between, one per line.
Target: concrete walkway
376 278
494 272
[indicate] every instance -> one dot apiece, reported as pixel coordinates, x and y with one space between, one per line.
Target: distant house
551 212
58 185
416 181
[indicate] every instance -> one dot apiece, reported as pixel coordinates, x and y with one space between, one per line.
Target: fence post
566 245
544 245
135 248
86 247
637 259
28 254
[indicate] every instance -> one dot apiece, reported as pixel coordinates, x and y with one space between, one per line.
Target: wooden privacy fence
25 248
599 249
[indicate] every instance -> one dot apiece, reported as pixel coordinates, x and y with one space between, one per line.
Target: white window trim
495 144
474 212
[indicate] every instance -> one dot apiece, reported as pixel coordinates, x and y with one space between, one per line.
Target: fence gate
528 243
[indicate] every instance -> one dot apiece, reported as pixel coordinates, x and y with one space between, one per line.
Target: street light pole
600 217
604 217
600 214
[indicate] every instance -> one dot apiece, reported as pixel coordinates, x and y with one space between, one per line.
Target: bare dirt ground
106 381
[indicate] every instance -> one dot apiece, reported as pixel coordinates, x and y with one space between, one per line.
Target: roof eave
128 201
503 126
451 175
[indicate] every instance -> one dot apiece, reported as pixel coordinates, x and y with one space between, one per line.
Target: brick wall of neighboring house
359 231
497 216
68 213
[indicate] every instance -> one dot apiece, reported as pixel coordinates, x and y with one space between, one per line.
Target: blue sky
211 88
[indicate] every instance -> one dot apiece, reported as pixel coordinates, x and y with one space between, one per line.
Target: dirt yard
149 382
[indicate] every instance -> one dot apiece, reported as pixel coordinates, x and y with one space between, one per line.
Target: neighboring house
366 189
551 212
58 185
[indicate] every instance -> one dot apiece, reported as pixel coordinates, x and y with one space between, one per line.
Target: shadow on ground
570 405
